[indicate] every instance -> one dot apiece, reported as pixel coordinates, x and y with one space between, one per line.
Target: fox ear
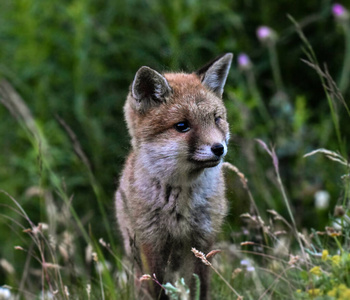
213 75
149 88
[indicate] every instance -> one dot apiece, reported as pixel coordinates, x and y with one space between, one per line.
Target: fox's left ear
214 74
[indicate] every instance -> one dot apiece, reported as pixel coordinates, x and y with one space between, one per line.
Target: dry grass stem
274 157
330 155
241 176
244 182
204 259
275 281
76 144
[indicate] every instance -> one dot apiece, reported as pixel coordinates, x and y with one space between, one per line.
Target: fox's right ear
149 88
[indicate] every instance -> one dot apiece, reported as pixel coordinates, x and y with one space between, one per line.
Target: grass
57 217
318 267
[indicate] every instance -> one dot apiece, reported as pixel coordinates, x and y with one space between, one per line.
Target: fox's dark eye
182 126
217 119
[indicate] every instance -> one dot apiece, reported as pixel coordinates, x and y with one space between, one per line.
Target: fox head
177 121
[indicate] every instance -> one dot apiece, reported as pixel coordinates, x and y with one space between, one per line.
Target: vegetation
65 69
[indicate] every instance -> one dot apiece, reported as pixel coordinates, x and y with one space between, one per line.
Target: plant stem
256 95
226 282
286 201
345 74
275 67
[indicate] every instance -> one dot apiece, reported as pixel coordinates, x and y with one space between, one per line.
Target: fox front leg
153 263
202 271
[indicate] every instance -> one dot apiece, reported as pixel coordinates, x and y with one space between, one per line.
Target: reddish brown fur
172 195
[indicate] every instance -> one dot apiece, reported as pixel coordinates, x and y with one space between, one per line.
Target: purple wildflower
265 34
244 62
340 12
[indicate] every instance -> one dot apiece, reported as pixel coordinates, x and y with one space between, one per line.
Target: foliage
64 141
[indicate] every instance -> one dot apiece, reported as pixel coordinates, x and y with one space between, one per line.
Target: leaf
169 287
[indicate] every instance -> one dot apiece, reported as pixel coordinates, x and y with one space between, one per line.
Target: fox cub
172 194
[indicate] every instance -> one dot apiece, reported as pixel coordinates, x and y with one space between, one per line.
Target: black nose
217 149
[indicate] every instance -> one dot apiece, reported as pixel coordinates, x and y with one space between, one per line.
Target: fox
171 194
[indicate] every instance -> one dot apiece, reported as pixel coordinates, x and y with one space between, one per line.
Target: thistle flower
244 62
340 12
265 34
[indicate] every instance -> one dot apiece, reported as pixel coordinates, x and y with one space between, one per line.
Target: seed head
339 211
201 256
293 259
145 277
212 253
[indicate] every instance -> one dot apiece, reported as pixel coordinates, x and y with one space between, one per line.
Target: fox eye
182 126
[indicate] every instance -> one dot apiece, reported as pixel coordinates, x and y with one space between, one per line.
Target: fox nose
217 149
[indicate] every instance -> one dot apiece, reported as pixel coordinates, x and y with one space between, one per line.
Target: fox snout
206 156
218 149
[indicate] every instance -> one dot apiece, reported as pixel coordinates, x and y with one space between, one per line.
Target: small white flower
48 296
336 224
250 269
245 262
322 200
101 266
4 293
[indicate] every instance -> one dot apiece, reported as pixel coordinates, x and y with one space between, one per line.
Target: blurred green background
72 63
